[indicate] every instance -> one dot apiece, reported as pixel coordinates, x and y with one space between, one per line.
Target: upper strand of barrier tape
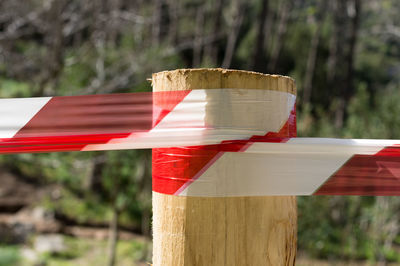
134 120
69 123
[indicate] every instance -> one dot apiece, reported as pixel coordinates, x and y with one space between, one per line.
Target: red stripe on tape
367 175
89 115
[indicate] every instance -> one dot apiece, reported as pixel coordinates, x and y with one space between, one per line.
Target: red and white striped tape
299 166
222 142
71 123
138 120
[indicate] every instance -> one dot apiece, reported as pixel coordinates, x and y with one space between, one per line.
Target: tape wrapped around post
259 114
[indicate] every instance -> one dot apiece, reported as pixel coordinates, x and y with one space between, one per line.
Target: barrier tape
139 120
209 143
295 166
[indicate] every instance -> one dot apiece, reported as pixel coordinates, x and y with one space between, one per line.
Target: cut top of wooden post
218 78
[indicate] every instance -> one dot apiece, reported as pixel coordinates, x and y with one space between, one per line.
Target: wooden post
223 230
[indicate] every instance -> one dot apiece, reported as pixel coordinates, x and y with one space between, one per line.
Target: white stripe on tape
16 113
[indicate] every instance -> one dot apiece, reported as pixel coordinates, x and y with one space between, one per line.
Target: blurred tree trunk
241 8
351 53
114 7
156 23
337 7
334 75
258 62
312 54
160 21
144 185
280 35
199 34
113 236
93 181
211 50
348 87
55 43
99 38
174 14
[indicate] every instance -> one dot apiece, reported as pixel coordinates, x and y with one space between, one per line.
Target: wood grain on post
223 230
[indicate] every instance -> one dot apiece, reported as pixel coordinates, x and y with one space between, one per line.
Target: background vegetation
344 55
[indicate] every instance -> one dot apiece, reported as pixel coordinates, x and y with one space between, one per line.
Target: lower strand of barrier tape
321 167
